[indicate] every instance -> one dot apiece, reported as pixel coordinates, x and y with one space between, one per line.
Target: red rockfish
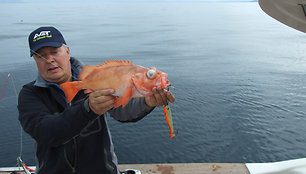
128 80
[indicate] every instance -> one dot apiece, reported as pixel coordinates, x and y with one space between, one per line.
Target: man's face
54 64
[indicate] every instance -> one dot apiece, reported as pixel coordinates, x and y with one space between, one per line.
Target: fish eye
151 74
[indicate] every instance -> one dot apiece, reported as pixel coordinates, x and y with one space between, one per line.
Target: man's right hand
101 101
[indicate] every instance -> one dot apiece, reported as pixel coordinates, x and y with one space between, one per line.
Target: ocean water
239 77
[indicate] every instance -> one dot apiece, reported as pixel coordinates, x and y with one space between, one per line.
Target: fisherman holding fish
72 135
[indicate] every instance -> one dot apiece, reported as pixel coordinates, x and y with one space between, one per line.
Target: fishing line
8 76
21 135
70 75
19 161
21 139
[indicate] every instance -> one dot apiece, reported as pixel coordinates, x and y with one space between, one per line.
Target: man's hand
101 101
160 97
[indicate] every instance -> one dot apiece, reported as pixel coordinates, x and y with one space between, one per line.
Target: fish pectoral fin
124 100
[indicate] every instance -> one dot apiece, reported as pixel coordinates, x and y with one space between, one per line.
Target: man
72 137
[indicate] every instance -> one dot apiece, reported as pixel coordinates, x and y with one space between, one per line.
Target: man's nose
49 58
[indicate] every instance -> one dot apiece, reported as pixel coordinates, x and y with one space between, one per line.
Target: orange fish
128 80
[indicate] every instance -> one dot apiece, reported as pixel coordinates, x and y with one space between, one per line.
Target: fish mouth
162 82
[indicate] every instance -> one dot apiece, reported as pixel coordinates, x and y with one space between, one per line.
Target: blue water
239 77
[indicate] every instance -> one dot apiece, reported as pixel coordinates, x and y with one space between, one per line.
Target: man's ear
68 50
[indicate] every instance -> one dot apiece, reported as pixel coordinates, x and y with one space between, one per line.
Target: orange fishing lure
169 119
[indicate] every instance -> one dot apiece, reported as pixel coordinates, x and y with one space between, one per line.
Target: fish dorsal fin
112 63
87 69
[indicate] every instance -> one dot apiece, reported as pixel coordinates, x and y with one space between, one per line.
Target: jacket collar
76 67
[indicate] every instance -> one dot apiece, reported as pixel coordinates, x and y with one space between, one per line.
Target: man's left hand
160 97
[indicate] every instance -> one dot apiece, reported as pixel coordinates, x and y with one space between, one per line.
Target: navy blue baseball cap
45 37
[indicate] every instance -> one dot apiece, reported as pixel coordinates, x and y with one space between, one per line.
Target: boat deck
181 168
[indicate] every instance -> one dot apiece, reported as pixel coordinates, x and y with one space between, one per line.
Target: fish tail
71 89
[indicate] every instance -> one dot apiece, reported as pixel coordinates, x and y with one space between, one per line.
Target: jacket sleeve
50 128
135 110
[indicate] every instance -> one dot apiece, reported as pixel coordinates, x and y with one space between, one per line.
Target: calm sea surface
239 77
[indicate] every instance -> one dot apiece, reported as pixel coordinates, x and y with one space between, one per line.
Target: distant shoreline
40 1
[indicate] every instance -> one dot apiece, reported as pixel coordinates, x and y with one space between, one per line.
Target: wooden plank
189 168
183 168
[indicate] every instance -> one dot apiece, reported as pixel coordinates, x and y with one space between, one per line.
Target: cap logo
41 35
